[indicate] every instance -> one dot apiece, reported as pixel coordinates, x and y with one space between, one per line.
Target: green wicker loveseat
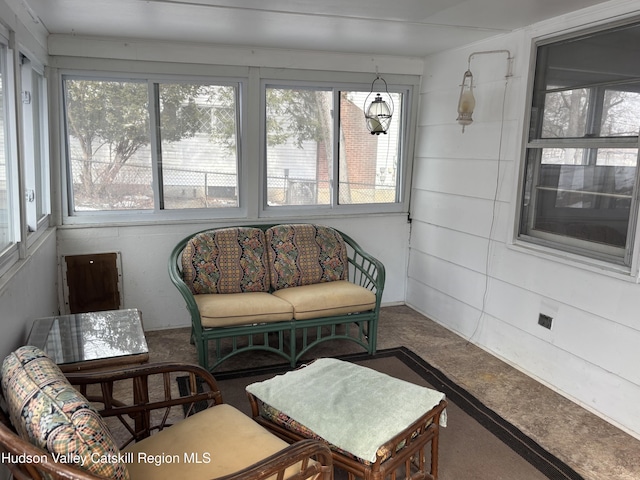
280 288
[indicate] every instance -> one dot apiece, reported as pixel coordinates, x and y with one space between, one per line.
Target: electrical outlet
545 321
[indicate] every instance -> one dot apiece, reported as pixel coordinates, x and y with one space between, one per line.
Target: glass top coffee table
84 341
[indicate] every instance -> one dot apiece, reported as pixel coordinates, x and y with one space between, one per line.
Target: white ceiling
387 27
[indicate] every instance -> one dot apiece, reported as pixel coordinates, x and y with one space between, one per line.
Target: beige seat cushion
222 438
327 299
224 310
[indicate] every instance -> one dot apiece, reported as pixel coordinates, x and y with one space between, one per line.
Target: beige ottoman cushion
222 438
224 310
327 299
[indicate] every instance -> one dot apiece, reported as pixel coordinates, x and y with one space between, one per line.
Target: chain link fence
131 188
285 190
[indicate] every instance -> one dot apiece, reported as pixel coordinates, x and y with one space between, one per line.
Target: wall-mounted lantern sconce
466 102
379 112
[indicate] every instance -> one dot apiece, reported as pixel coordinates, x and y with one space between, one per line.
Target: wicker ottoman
374 424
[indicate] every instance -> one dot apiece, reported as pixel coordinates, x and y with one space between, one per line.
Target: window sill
325 210
11 264
240 220
619 272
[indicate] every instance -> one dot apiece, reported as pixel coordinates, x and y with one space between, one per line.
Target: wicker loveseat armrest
142 398
313 456
365 269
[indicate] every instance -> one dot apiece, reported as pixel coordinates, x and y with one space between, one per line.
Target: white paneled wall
145 252
28 288
30 294
466 273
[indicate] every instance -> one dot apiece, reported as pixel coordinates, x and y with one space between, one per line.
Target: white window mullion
45 165
156 149
15 152
31 142
334 175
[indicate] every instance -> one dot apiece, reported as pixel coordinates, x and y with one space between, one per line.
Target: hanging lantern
467 102
379 112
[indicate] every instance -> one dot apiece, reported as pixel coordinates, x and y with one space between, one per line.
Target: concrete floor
594 448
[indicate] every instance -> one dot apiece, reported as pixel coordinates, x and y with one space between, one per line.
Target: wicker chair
143 409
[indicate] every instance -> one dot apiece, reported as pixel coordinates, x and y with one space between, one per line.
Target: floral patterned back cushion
303 254
227 260
46 410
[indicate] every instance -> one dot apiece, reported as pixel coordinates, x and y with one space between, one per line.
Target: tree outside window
581 171
144 145
111 149
315 156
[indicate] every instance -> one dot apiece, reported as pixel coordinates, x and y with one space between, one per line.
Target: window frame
40 168
251 168
622 260
71 217
334 207
12 252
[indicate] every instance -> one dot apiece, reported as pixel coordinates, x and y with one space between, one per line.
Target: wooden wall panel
92 282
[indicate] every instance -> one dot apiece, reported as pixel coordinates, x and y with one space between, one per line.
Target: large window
143 148
142 145
25 204
7 230
320 153
581 177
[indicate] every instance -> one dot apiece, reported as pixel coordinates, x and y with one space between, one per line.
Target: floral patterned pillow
226 260
46 410
304 254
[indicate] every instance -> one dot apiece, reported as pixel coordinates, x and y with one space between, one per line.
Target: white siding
591 354
31 293
145 251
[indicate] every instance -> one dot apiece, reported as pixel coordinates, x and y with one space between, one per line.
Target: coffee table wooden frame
408 448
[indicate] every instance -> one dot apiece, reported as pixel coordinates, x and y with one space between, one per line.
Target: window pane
108 143
36 145
368 163
573 113
589 202
581 176
40 146
608 56
198 132
621 112
565 114
43 207
5 207
299 128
